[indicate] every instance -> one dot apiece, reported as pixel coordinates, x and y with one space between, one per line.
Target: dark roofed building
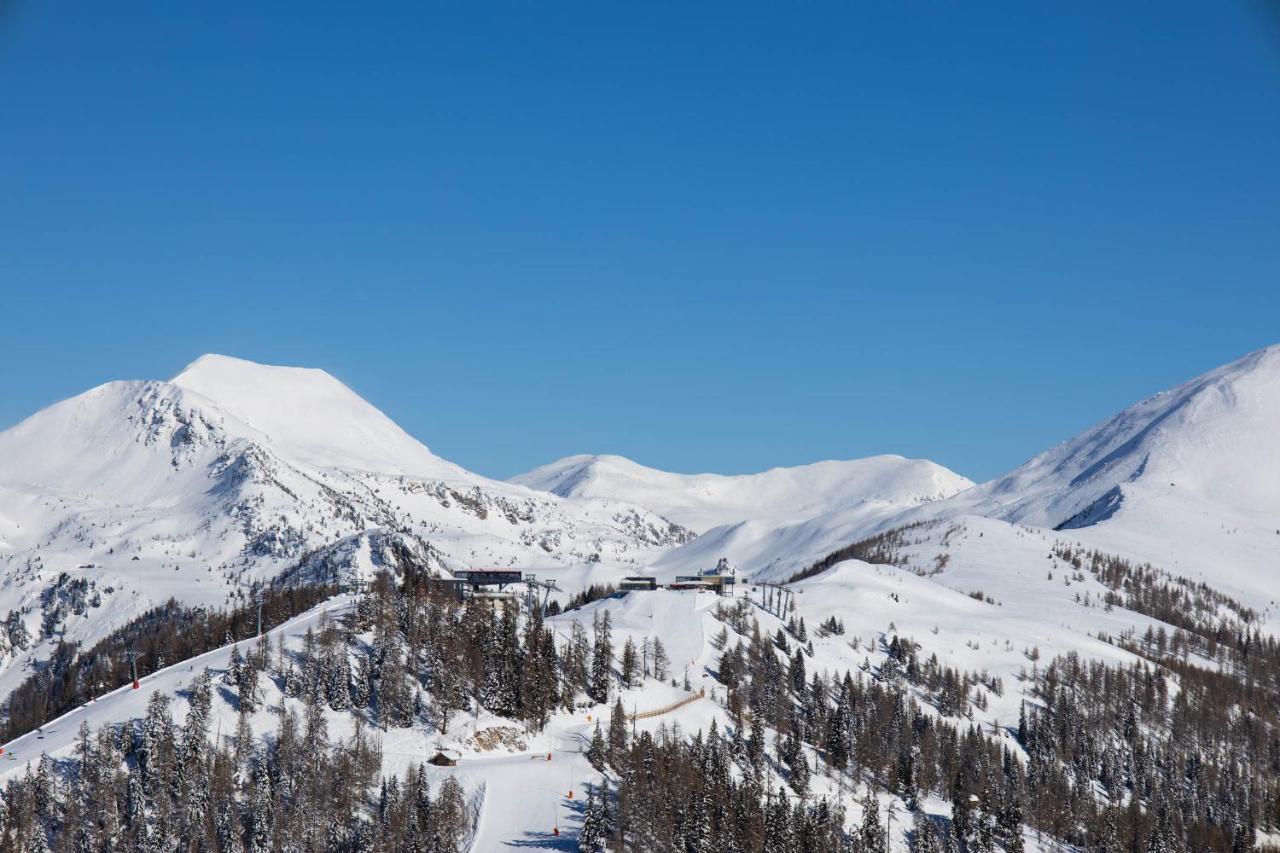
638 583
441 759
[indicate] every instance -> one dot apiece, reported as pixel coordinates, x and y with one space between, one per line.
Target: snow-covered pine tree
629 665
261 811
595 823
617 733
597 752
338 679
451 813
871 832
601 658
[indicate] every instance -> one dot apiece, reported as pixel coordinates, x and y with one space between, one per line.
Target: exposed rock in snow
235 471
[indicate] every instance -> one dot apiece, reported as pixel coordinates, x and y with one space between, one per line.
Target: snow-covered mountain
775 497
1215 438
132 492
310 417
137 491
1188 479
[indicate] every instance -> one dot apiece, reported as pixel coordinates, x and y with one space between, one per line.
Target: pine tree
424 809
234 664
537 694
924 835
601 658
756 745
450 813
338 681
261 811
577 658
38 841
244 736
961 815
192 769
156 753
392 694
247 684
597 752
1009 820
871 832
838 745
798 764
617 734
595 829
797 675
629 665
660 660
362 683
135 809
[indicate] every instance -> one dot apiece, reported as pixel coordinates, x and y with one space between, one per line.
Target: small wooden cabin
441 759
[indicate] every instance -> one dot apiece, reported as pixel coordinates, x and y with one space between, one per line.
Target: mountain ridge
198 487
780 494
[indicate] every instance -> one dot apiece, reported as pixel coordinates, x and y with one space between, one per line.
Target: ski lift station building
722 579
638 583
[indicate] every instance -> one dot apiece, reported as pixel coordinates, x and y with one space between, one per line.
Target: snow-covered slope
148 489
308 416
233 471
1215 438
767 549
1188 479
777 496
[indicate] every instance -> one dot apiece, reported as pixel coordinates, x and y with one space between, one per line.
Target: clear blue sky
709 237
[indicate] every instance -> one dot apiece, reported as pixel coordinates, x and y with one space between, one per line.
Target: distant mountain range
1189 479
924 611
778 496
233 471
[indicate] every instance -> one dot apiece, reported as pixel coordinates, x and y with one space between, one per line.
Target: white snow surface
1188 479
205 484
522 796
234 472
309 416
777 496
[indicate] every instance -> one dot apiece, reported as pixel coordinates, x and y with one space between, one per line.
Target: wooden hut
441 759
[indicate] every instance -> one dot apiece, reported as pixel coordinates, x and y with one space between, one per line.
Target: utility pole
133 664
255 596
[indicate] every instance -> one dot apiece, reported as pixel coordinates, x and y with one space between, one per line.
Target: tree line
160 637
1163 755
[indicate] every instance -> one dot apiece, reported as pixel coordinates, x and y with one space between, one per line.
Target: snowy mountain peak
1188 478
233 472
311 416
704 501
1212 437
